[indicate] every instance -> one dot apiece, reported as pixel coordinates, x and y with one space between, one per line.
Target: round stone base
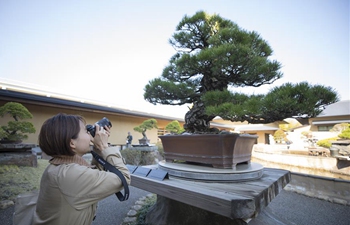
242 172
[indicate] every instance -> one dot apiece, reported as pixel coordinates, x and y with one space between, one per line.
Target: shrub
345 134
326 143
140 158
20 179
174 127
307 134
160 150
340 127
279 136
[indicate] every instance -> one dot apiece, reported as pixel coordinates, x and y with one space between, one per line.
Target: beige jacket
70 189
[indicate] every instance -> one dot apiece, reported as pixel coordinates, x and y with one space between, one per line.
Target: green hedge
326 143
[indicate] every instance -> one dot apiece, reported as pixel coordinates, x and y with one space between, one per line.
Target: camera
103 122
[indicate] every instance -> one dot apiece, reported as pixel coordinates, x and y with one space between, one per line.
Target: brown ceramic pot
217 150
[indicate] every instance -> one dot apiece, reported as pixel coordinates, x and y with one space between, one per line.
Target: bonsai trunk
196 121
144 135
144 140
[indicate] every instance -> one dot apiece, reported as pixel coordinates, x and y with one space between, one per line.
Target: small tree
279 136
340 127
214 55
174 127
306 134
16 130
326 143
345 134
146 125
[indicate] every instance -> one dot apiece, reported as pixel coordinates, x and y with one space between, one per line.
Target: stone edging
298 190
6 203
131 215
328 189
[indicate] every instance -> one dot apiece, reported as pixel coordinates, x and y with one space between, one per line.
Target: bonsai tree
345 134
279 136
174 127
340 127
15 130
214 55
144 126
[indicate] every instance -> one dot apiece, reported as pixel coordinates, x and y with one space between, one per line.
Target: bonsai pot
5 141
334 152
143 141
217 150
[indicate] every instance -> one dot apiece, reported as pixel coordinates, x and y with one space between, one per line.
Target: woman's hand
101 137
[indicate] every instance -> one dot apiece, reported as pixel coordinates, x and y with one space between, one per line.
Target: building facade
44 106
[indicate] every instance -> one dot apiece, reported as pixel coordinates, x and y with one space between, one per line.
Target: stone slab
144 148
16 147
18 158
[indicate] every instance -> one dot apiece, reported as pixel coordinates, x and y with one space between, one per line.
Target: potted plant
214 55
341 146
15 131
174 127
279 136
143 127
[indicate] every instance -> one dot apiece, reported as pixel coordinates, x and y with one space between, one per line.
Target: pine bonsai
146 125
16 130
174 127
214 55
345 134
279 136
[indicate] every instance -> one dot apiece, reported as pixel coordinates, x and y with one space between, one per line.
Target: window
161 131
325 128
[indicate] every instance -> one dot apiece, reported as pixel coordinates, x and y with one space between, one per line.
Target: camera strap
112 169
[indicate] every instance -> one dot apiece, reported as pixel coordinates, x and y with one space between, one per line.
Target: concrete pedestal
13 147
18 154
144 148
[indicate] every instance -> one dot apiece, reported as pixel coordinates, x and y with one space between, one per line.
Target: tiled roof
255 127
39 100
341 108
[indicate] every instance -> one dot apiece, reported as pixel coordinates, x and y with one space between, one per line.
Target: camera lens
102 123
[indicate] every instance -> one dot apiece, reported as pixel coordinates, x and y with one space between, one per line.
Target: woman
70 187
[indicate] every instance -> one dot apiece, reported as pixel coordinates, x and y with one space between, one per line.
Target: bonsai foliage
146 125
16 130
326 143
214 55
299 100
174 127
345 134
340 127
279 136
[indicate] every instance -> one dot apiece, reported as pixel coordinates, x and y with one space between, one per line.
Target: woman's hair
56 134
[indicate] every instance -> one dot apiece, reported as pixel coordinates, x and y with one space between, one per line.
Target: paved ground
295 209
287 208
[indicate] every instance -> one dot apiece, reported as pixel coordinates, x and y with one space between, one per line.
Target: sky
107 51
